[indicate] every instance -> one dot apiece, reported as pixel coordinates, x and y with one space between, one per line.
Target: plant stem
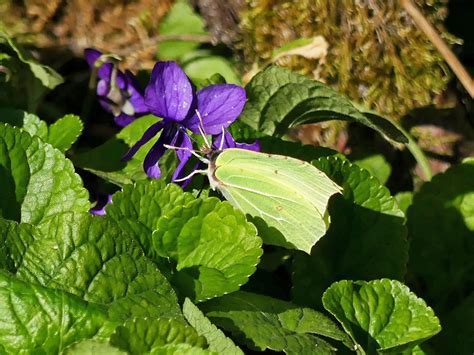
424 25
417 153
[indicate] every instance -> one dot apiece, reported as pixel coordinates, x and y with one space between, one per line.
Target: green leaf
38 320
137 209
294 149
366 239
15 240
202 68
273 145
377 166
28 121
37 180
143 335
243 132
48 76
458 328
64 132
167 222
404 200
28 80
263 322
92 258
106 160
180 20
216 339
441 229
214 247
132 133
279 99
381 315
93 347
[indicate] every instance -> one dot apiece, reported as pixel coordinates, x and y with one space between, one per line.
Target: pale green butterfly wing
286 197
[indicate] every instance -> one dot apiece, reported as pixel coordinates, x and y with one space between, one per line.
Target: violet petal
91 55
123 119
149 134
219 106
169 94
105 103
185 183
136 94
101 204
150 164
105 70
182 141
120 80
229 142
103 88
255 146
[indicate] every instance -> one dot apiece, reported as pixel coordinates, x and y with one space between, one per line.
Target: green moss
376 53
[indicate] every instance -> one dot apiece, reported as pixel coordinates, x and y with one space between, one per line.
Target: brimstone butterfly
286 197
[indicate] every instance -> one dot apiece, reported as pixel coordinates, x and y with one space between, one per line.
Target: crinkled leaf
213 245
180 349
143 335
279 99
263 322
35 319
37 180
94 259
376 165
441 229
28 121
137 209
381 315
216 339
93 347
180 20
169 223
366 239
64 132
15 240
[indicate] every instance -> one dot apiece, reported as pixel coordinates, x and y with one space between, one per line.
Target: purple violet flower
102 202
119 93
171 96
221 142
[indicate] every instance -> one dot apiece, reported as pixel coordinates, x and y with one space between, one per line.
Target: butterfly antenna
192 151
202 131
202 171
221 145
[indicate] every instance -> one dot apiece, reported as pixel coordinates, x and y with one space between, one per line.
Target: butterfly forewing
287 194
